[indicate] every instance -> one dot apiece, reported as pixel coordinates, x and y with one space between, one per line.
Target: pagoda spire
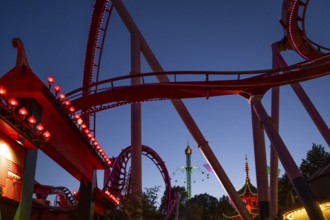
247 168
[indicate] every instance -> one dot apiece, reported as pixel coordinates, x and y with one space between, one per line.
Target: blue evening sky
184 35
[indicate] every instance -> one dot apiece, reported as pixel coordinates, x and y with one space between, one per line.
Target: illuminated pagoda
249 195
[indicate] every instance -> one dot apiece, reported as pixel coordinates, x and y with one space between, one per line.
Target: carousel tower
188 168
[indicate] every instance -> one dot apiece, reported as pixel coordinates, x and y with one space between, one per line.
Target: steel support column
86 198
273 156
297 180
183 112
136 154
275 112
23 211
261 167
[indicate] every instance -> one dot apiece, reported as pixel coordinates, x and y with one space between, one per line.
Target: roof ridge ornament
247 168
21 60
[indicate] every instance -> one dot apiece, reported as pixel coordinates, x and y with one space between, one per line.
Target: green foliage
316 158
207 203
149 203
224 206
183 195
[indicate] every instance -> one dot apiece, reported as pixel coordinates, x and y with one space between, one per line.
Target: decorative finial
21 56
247 168
188 150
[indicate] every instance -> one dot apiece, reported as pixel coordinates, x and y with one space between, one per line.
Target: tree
316 158
202 205
183 195
224 206
129 209
150 204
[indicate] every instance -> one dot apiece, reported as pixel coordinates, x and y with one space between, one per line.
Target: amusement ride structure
188 169
75 112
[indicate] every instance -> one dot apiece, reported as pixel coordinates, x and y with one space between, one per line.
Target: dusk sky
184 35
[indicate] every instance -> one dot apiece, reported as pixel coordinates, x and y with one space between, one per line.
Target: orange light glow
5 151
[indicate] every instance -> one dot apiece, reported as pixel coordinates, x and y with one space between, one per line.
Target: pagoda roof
248 187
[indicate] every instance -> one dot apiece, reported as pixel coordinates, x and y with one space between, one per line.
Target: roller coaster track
293 22
257 84
97 33
42 191
118 177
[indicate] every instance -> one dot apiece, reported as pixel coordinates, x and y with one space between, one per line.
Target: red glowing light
67 103
40 128
3 91
57 89
92 139
72 109
76 116
74 192
23 112
62 97
87 131
95 143
80 121
12 103
46 135
89 135
50 80
32 120
83 126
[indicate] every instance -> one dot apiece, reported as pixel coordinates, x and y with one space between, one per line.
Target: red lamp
3 91
62 97
12 102
75 192
31 121
87 131
23 112
76 116
57 89
67 103
50 80
46 136
83 126
40 128
72 109
80 121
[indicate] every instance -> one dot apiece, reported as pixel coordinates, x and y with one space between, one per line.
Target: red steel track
118 178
